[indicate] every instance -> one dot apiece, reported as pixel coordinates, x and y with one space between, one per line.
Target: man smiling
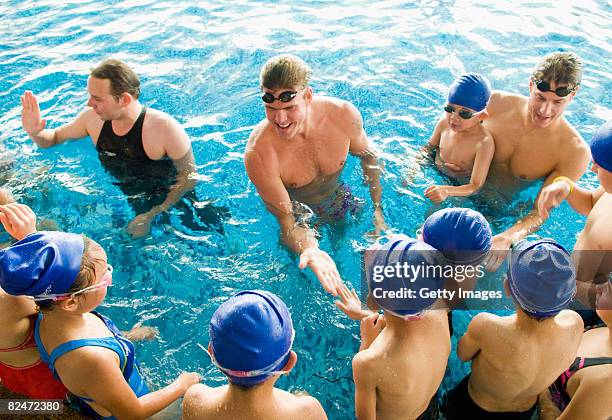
296 155
533 141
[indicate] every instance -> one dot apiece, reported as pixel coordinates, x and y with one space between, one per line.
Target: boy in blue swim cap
514 358
251 335
594 244
464 147
403 354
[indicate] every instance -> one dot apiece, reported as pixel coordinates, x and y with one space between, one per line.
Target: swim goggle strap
544 86
107 281
267 370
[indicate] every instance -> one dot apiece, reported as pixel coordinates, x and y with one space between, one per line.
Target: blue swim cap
251 331
601 146
42 263
470 91
541 277
462 235
407 253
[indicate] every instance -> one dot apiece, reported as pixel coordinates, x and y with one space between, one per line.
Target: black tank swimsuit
145 182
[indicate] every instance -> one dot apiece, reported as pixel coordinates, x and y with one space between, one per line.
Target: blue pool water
200 63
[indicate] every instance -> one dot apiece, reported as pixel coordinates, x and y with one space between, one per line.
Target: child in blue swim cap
403 354
251 338
464 148
68 276
516 357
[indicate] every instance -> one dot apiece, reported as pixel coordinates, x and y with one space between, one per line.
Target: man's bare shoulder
260 136
501 100
340 109
160 122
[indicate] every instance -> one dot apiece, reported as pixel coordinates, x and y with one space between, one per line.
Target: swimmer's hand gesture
500 246
350 304
551 196
185 380
140 225
18 219
323 267
30 115
140 333
437 193
371 326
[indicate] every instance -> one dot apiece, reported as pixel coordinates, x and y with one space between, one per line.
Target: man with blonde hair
296 155
533 141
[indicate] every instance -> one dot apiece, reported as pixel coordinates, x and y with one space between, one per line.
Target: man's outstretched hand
323 267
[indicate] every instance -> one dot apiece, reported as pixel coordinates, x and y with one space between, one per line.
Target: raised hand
350 304
18 219
30 114
371 326
323 267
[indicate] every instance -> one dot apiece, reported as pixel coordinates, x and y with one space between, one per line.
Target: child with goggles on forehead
465 148
67 275
21 369
403 354
251 336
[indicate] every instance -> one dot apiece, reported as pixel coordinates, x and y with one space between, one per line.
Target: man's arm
573 164
299 238
35 126
469 345
178 148
360 147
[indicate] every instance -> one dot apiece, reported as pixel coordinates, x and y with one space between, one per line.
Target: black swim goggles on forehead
561 92
284 97
464 113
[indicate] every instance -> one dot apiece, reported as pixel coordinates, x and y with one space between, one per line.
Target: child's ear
71 304
483 115
290 362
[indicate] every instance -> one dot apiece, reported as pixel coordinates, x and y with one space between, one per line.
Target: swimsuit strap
595 361
29 342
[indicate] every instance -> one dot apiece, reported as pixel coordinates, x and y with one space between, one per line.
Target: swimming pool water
200 63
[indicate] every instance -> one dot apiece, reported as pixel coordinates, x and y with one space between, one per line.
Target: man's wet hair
122 78
563 68
284 71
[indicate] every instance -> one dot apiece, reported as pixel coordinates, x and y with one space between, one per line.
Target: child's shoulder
301 404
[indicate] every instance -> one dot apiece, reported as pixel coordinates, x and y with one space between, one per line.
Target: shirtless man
533 140
120 126
515 358
251 335
297 154
594 245
403 356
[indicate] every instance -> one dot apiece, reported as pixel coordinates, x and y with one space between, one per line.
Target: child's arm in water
470 344
424 155
482 162
94 372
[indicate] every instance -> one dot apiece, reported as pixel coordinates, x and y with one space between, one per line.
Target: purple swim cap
541 277
42 263
470 91
389 287
601 146
251 332
463 235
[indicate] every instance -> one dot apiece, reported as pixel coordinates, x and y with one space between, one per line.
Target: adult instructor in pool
123 128
297 153
534 141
